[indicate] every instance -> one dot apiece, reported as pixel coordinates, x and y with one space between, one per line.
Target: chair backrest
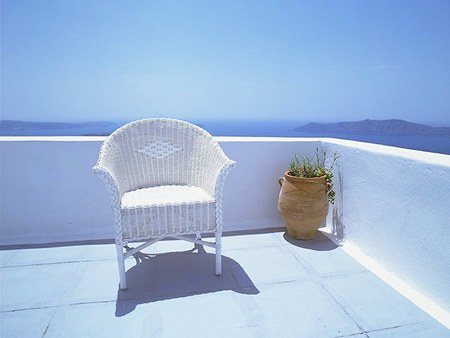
154 152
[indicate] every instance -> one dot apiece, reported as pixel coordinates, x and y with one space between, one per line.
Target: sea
430 143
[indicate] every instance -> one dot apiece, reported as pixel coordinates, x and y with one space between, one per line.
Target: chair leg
218 253
121 263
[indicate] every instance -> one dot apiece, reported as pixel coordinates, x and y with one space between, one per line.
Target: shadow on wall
338 229
179 274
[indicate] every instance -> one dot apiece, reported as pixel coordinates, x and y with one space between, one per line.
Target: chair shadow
319 243
179 274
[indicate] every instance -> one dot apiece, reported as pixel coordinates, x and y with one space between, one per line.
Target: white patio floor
271 286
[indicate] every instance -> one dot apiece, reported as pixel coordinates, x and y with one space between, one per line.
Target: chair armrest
111 183
220 179
220 175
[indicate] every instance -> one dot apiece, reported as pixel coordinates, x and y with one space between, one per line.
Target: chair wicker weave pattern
168 220
165 177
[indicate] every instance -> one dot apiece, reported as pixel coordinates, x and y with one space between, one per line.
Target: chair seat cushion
165 195
162 210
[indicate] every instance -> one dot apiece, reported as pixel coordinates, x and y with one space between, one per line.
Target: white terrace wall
50 194
394 207
392 204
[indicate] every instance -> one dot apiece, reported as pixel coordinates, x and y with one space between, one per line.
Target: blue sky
74 60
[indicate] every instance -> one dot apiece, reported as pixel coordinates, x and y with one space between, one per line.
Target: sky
321 61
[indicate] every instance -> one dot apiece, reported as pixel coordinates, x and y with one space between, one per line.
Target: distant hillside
20 128
26 125
385 127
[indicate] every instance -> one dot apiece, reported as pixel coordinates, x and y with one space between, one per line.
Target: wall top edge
102 138
244 139
416 155
52 138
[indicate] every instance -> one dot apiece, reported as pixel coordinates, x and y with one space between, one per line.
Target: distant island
381 127
14 127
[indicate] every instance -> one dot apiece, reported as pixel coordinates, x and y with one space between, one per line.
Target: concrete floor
271 286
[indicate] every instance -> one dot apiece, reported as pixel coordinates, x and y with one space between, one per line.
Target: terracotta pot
303 204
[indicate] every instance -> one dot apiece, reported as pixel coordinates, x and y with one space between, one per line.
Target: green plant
321 165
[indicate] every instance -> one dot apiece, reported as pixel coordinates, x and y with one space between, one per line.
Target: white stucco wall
393 205
252 188
50 194
396 211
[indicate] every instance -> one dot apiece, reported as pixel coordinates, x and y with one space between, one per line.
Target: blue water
249 128
437 144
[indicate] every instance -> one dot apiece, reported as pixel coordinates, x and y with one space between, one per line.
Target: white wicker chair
165 179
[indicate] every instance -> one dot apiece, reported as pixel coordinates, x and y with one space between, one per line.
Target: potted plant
306 191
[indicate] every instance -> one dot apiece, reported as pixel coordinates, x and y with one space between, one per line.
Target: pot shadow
179 274
320 243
